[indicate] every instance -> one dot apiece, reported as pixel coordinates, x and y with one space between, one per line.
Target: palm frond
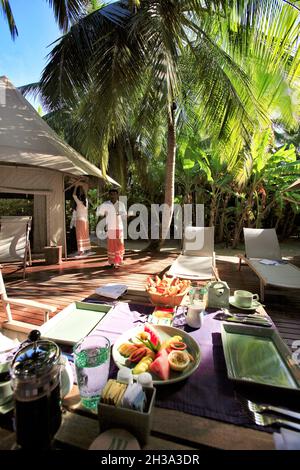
8 15
125 65
67 73
32 89
67 12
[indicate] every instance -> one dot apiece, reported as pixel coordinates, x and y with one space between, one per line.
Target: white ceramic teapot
217 294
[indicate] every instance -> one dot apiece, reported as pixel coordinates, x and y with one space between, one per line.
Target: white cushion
192 267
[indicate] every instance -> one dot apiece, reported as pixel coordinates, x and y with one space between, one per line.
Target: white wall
48 182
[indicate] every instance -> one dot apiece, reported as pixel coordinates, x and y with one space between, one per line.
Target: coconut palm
66 12
125 60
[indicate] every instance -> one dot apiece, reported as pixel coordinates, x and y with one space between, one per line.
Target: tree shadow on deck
78 279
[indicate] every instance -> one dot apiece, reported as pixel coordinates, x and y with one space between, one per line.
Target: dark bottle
35 374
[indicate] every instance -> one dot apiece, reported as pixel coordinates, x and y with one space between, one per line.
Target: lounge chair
197 260
13 328
263 256
14 240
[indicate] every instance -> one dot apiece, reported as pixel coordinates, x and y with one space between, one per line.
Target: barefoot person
82 221
113 210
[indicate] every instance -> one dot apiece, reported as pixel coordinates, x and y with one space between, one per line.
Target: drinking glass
92 358
192 295
199 293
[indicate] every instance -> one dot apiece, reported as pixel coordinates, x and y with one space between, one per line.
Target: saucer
254 306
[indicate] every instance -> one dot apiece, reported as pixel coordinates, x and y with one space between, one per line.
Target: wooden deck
59 285
76 279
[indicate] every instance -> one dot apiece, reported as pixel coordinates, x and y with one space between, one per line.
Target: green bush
16 207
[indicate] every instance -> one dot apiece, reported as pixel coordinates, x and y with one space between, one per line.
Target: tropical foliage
251 193
134 83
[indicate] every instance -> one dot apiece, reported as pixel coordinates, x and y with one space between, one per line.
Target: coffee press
35 376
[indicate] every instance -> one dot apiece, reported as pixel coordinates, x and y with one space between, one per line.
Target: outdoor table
171 429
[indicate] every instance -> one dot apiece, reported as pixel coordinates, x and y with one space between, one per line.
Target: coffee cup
244 299
193 316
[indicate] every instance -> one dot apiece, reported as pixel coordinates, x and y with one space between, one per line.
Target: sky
23 59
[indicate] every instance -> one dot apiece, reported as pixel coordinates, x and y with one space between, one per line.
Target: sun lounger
14 328
197 260
14 240
263 256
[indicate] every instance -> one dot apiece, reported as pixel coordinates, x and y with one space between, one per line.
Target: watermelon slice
161 366
154 338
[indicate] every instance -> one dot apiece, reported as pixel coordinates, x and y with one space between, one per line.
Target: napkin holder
137 422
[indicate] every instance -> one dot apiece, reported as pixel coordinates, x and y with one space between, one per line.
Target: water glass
192 295
92 358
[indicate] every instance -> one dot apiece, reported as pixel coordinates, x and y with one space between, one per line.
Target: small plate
255 304
115 439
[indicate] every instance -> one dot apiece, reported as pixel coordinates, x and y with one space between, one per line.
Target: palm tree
66 13
126 60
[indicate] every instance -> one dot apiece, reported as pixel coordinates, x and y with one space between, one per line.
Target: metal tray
258 355
74 322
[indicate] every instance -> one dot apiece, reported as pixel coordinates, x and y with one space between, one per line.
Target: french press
35 375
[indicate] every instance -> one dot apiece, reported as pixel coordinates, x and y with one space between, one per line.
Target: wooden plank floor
77 279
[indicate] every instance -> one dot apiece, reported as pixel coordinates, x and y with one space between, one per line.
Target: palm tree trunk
238 230
241 218
291 224
213 207
170 175
223 218
278 220
258 213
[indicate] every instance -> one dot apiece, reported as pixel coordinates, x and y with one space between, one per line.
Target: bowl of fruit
167 291
169 354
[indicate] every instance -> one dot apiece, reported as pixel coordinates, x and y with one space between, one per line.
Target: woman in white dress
82 221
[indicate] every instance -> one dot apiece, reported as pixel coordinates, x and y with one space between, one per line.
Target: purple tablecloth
207 392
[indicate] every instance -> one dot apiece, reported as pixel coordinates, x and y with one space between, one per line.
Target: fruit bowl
165 333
